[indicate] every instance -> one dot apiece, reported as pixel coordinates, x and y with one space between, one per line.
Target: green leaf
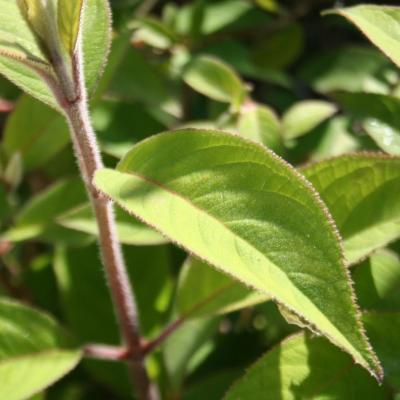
69 18
379 115
96 37
202 291
381 24
32 127
351 69
361 192
34 352
80 276
154 33
236 205
37 219
304 116
260 123
377 282
192 341
302 367
383 329
215 79
130 231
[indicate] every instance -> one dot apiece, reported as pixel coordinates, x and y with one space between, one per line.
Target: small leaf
215 79
305 116
34 352
302 367
69 19
154 33
384 135
236 205
377 282
130 231
260 123
381 24
202 291
31 127
361 191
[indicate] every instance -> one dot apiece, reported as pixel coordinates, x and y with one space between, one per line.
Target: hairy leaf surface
241 208
302 367
381 24
16 39
362 193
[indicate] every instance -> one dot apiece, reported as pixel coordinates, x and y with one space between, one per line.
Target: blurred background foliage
308 87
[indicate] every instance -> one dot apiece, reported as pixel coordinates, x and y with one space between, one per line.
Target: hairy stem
89 160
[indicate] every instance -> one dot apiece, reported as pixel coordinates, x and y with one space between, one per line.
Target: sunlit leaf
69 18
361 191
238 206
34 351
303 367
214 79
304 116
381 24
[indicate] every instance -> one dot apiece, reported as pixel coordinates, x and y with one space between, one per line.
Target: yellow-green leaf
69 18
238 206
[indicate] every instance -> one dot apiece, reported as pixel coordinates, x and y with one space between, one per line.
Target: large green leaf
34 351
32 127
381 24
96 40
202 291
302 367
362 193
244 210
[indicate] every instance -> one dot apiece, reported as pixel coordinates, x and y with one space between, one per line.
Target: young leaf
236 205
96 37
260 123
215 79
305 116
361 191
381 24
69 18
302 367
34 352
202 291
